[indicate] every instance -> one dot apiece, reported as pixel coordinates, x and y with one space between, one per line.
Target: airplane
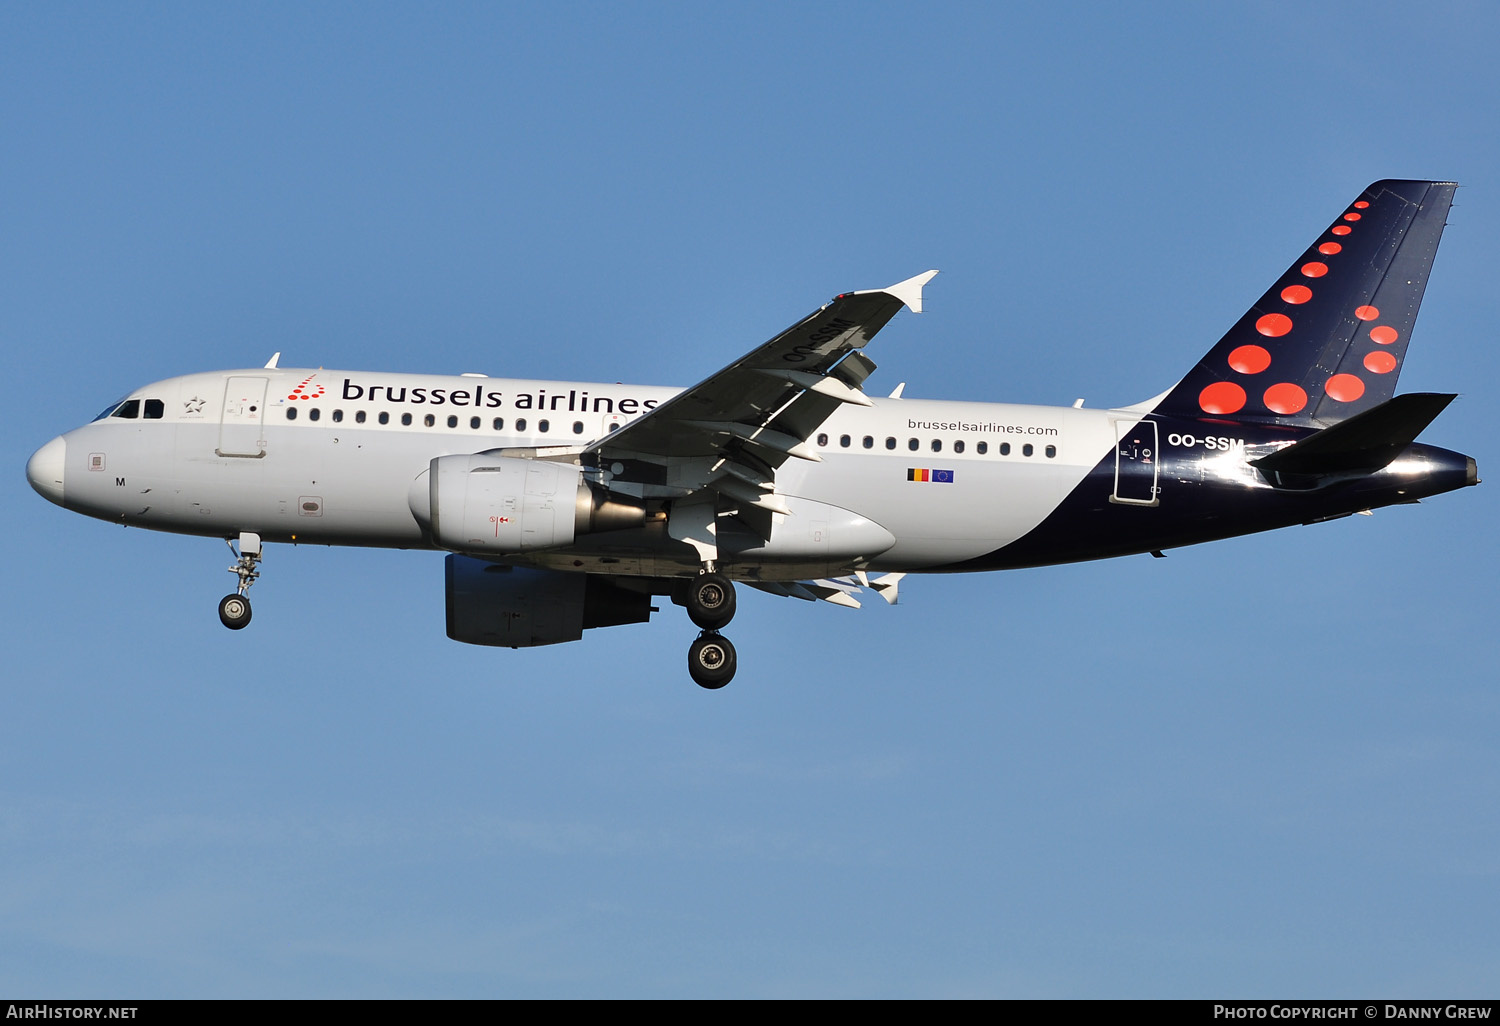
570 505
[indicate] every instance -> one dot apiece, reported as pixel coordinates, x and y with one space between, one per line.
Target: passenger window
338 416
843 441
385 418
937 445
452 421
499 423
313 413
1051 451
578 427
520 425
543 425
1027 449
130 409
869 441
1004 448
822 441
912 444
958 445
155 408
406 420
359 416
291 413
981 447
890 443
474 423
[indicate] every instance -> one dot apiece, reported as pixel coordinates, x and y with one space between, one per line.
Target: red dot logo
1366 313
303 391
1352 216
1330 248
1361 205
1344 387
1380 362
1250 359
1341 229
1296 294
1316 269
1274 325
1383 334
1285 398
1222 397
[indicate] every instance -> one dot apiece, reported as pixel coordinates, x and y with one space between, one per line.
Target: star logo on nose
193 405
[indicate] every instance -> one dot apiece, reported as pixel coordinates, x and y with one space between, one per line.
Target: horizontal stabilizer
1365 442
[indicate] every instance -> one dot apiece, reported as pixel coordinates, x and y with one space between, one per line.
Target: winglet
271 363
908 291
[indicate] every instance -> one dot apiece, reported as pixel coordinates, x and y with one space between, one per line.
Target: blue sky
1259 768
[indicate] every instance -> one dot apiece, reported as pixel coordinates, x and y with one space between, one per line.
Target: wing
726 436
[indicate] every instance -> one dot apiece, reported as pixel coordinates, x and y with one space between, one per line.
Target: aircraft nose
45 469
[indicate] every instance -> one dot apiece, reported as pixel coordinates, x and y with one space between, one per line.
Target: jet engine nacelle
519 607
500 504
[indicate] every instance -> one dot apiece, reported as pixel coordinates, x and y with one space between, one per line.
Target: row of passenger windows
544 426
430 420
914 444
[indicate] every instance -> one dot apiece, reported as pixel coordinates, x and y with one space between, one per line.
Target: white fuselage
328 457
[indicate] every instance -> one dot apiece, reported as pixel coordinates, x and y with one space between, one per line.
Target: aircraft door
1136 462
241 428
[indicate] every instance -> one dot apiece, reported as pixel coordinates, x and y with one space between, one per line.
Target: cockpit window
108 410
130 409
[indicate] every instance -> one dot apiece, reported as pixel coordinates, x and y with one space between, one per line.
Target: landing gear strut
234 610
710 603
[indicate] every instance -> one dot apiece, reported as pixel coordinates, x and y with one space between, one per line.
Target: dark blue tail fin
1328 340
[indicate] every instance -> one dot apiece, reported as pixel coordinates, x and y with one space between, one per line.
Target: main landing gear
710 603
234 610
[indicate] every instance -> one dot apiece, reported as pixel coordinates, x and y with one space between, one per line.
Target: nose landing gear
234 610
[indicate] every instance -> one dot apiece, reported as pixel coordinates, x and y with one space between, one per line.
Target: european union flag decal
942 476
926 475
